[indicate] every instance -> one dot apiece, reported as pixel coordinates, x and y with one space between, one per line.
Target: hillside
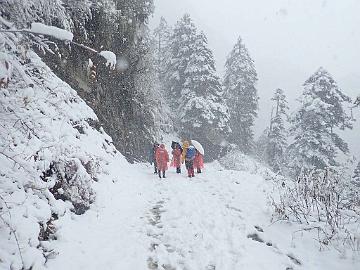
50 156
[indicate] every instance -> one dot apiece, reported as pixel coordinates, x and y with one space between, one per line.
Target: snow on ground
218 220
48 153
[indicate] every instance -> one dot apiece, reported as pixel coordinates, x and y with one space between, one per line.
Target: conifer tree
277 142
181 48
322 112
194 89
241 95
202 112
162 35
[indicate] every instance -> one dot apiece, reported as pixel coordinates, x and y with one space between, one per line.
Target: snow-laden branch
63 35
55 32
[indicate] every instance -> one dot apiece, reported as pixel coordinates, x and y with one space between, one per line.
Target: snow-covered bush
73 183
320 199
236 160
355 186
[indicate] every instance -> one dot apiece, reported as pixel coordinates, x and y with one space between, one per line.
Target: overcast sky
288 40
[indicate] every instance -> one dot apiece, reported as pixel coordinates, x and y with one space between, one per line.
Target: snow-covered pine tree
193 89
180 49
277 142
162 35
322 111
149 92
161 53
241 95
202 112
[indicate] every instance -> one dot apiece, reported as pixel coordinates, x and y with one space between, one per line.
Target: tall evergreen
277 142
162 35
202 112
194 88
316 143
241 95
181 48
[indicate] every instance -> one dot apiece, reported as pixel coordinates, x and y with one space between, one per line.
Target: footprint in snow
154 220
294 260
258 228
255 237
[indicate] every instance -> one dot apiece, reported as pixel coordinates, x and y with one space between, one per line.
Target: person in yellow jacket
185 146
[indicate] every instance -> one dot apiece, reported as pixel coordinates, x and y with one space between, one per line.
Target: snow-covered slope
49 158
220 219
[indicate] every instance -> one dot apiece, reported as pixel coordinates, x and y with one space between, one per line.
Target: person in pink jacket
198 161
162 159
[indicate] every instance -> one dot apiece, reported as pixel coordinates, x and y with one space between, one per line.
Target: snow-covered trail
217 220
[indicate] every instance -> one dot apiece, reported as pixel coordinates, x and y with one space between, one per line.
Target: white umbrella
198 146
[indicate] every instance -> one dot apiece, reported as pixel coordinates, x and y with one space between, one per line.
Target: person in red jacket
198 161
162 159
176 159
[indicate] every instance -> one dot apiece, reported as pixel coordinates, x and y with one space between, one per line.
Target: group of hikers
185 153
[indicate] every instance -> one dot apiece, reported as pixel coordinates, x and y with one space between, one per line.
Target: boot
198 170
192 172
164 174
159 174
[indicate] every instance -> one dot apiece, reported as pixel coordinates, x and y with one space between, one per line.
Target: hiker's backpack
190 153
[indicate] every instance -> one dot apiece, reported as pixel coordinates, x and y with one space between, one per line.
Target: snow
110 58
52 31
221 219
43 122
5 68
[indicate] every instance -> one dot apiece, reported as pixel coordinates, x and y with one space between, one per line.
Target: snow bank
58 33
49 158
314 209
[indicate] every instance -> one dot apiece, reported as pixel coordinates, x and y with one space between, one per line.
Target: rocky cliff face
124 110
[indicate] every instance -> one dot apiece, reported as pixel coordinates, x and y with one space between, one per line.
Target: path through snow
217 220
